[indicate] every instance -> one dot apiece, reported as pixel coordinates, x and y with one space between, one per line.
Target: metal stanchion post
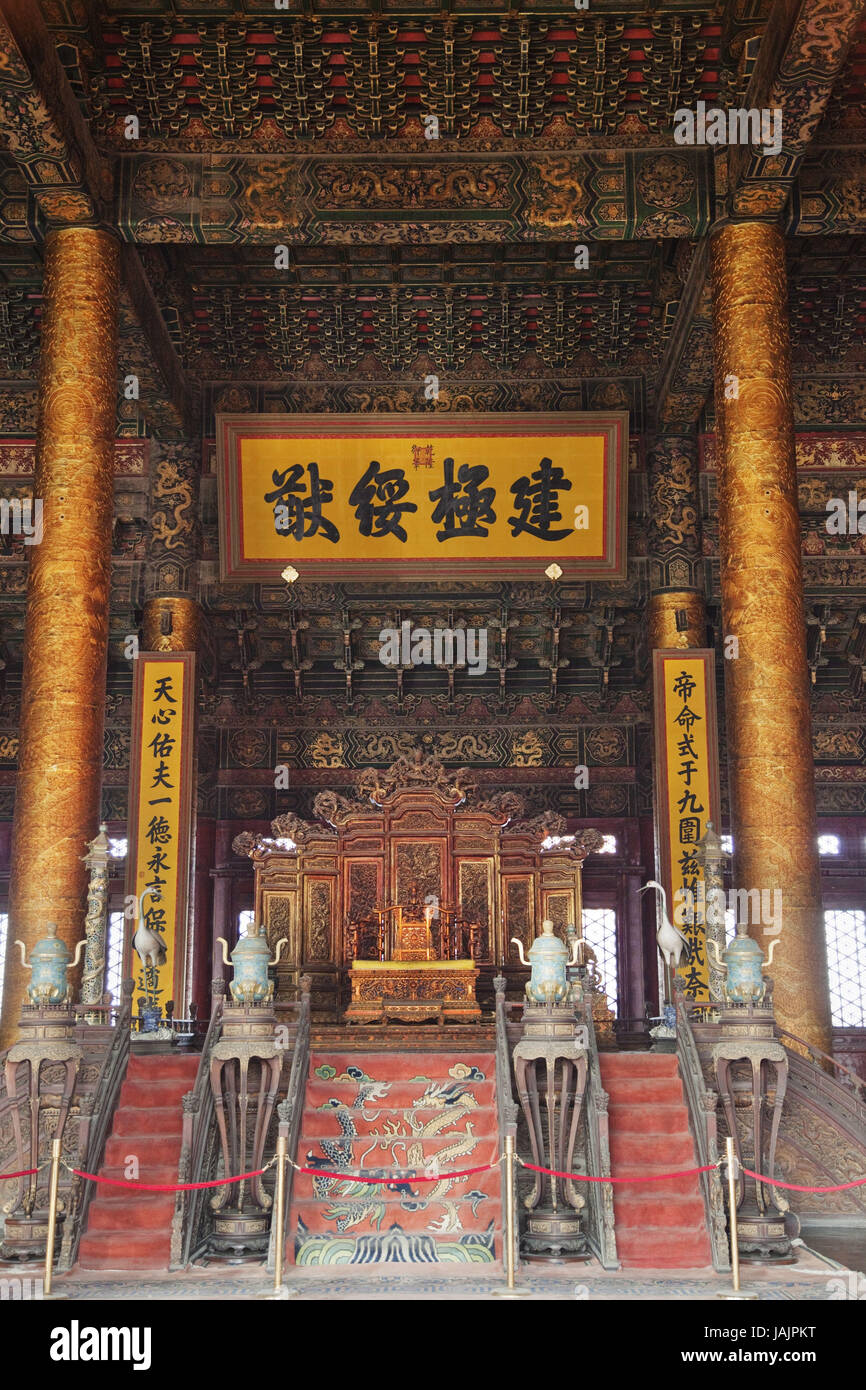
731 1161
732 1206
511 1290
53 1182
280 1213
280 1290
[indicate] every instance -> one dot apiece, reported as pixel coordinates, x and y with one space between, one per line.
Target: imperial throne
409 980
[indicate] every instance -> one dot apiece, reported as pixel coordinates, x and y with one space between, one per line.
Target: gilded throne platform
413 985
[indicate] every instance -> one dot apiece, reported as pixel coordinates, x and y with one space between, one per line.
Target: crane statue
670 940
150 947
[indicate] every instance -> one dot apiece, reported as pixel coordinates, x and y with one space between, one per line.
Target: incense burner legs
244 1099
763 1217
550 1068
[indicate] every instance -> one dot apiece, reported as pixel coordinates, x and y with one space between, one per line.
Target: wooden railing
97 1116
7 1139
701 1104
199 1148
290 1111
96 1105
851 1080
841 1103
506 1111
601 1231
599 1196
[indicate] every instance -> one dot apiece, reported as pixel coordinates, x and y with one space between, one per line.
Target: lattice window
599 930
4 929
609 846
245 921
845 932
730 924
114 955
828 844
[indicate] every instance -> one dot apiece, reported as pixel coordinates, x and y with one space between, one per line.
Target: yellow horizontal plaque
406 495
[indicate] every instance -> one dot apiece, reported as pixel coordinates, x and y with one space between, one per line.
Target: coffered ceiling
409 246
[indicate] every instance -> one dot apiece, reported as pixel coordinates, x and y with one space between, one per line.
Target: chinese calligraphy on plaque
398 495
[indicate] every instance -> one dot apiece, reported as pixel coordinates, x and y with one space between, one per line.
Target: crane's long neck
148 892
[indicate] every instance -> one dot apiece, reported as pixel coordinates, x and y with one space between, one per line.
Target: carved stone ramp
419 1113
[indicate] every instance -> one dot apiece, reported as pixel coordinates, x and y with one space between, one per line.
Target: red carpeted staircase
390 1110
132 1230
659 1225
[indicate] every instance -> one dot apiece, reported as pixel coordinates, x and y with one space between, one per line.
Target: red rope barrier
438 1177
165 1186
651 1177
25 1173
687 1172
798 1187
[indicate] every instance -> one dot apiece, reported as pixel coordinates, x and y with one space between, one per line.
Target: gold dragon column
766 678
59 783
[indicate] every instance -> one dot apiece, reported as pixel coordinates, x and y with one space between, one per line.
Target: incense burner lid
741 951
50 949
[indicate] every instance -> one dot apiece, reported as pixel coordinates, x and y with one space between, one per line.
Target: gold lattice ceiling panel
208 79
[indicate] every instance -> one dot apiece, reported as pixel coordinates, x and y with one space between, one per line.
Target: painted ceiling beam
381 197
42 126
829 195
176 403
812 39
684 384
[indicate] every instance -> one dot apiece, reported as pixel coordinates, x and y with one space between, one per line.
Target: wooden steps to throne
132 1230
659 1225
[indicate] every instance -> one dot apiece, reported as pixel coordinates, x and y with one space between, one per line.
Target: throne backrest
413 939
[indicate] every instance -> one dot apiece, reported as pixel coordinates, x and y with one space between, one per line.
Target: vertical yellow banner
687 795
160 823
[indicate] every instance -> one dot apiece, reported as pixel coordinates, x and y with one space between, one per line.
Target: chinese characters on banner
160 817
397 495
687 795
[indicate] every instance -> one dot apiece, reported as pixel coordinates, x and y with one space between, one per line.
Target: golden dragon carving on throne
421 771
